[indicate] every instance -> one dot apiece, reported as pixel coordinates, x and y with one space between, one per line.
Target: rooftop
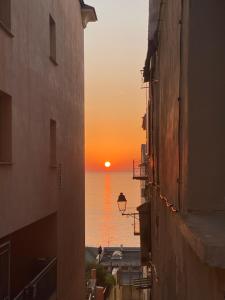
131 256
88 13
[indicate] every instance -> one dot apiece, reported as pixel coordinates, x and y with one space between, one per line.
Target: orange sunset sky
115 50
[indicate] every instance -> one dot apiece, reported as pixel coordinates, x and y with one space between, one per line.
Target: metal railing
139 171
5 270
143 283
42 286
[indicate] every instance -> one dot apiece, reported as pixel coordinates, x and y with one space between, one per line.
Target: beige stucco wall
41 91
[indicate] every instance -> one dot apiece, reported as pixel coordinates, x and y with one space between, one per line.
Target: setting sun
107 164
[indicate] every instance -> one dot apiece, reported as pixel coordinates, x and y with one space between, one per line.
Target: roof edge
88 13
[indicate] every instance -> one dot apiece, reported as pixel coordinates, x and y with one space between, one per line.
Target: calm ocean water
104 224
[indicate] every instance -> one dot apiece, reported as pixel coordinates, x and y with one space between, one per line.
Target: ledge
88 14
53 166
6 29
53 60
6 163
206 236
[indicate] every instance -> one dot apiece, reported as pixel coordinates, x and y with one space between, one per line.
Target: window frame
6 25
53 143
52 40
7 160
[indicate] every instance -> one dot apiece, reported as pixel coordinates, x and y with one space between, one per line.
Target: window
4 272
5 128
5 13
52 30
53 154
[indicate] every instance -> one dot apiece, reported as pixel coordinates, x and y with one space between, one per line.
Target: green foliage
103 278
110 280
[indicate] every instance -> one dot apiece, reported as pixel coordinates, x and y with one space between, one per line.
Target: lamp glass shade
122 203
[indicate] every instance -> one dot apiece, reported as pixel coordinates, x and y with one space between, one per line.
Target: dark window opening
5 128
52 30
53 144
5 13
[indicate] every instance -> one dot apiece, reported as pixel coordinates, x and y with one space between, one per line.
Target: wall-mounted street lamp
122 205
142 219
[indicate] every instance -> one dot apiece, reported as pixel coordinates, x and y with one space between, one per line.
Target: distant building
183 224
125 265
91 254
42 149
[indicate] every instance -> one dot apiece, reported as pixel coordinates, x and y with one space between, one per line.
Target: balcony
43 286
143 283
139 171
4 270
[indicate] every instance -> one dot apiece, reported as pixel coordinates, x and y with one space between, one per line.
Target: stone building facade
42 148
185 70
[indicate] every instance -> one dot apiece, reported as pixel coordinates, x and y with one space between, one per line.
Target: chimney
99 293
93 274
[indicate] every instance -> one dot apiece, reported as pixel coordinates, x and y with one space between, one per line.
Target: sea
104 223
